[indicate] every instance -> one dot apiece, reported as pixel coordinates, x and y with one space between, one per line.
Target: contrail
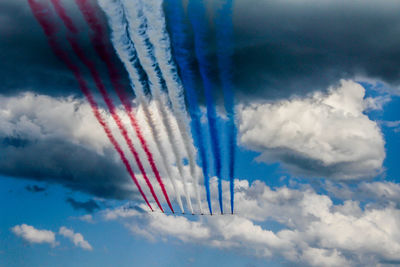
224 31
42 15
198 20
102 49
71 37
159 37
128 55
182 56
137 25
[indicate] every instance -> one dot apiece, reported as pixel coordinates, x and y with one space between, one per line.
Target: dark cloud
286 47
281 47
28 62
58 161
297 46
35 188
88 206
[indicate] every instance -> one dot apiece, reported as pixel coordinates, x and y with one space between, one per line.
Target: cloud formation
35 188
281 48
294 47
35 236
307 234
35 67
75 238
395 125
58 140
88 206
322 135
378 193
40 236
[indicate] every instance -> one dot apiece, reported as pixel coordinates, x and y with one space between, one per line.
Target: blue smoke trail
225 53
198 19
182 57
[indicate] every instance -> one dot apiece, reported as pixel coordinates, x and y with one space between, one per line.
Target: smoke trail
158 36
127 53
100 86
198 20
137 25
102 49
225 53
41 12
182 56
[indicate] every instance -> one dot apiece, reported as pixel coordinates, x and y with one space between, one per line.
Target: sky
317 104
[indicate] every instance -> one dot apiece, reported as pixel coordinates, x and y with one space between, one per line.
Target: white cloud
375 194
37 236
36 117
75 238
313 230
33 235
121 212
324 257
380 190
86 218
324 135
395 125
392 124
37 131
376 103
179 227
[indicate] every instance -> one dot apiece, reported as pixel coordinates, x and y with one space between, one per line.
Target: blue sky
317 167
49 210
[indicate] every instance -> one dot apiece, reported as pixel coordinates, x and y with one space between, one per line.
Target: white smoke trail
127 53
137 30
159 37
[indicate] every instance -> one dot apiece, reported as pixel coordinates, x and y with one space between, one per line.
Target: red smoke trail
99 84
100 44
40 11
